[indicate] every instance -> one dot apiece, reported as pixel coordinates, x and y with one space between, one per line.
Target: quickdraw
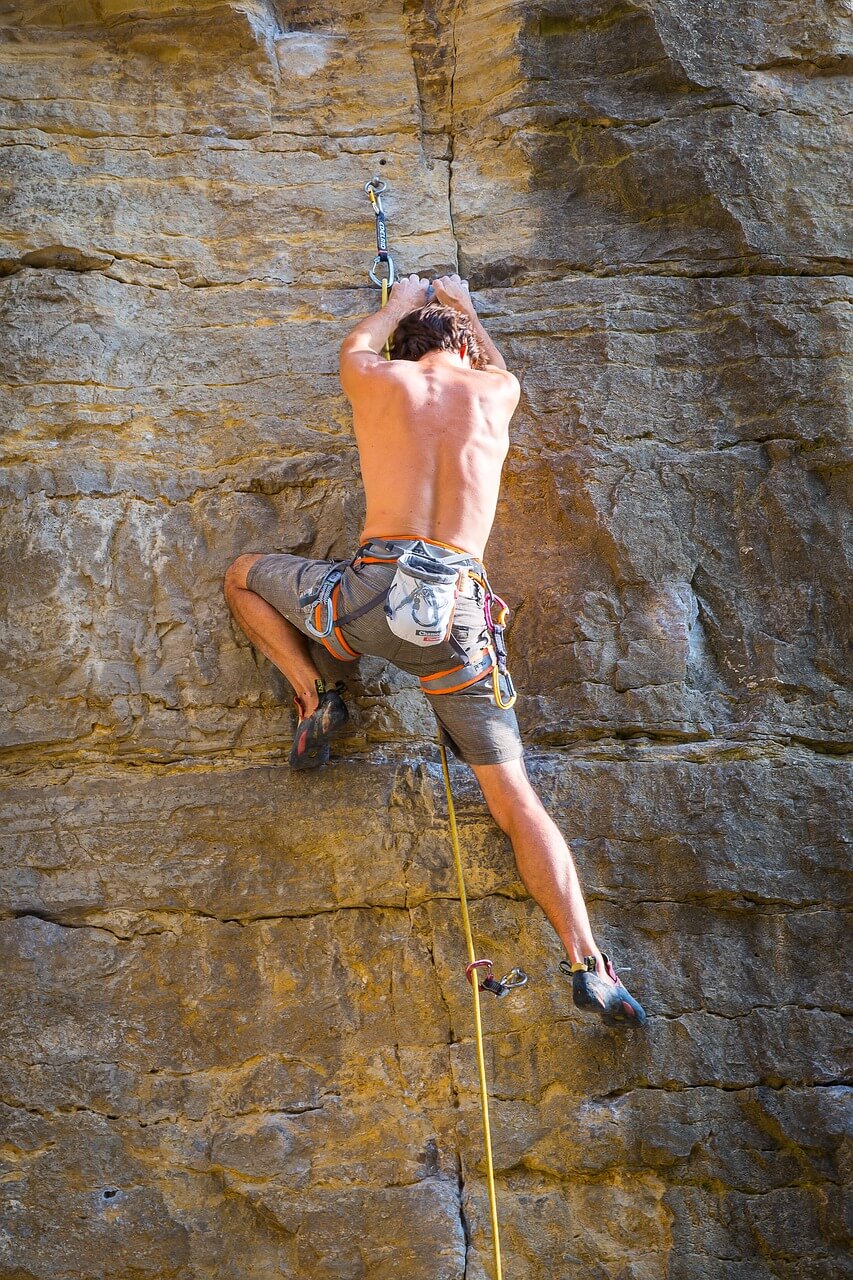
374 188
499 987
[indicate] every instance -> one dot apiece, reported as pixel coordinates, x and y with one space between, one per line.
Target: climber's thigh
282 580
474 727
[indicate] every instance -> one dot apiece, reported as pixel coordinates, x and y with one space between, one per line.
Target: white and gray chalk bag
422 597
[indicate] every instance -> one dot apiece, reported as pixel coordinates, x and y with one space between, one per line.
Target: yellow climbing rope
516 978
386 350
473 965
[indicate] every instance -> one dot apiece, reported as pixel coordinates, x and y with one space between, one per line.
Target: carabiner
389 263
515 978
374 189
505 704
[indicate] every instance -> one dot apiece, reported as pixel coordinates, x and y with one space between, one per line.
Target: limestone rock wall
235 1039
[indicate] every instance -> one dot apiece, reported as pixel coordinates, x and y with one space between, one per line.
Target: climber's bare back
432 436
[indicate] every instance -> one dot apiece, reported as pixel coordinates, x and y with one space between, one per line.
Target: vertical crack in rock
451 151
463 1217
418 32
454 1090
264 22
431 37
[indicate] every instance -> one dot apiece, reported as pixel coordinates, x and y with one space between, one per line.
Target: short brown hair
435 327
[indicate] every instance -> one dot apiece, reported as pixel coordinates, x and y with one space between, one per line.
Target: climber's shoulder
362 371
360 368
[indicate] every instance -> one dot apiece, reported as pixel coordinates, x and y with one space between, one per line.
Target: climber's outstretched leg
321 711
542 856
547 869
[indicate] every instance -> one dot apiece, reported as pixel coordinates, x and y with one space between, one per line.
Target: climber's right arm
452 291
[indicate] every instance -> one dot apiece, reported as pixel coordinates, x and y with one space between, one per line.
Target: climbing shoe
611 1000
310 747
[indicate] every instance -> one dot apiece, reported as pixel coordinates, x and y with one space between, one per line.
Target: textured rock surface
235 1039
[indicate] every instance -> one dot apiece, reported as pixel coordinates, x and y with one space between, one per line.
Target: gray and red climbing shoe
610 999
310 747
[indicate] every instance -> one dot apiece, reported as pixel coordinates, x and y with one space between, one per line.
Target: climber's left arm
362 347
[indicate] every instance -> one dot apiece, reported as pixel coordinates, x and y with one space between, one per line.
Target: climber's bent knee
237 572
507 791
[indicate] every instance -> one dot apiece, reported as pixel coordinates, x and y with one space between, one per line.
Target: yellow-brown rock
235 1033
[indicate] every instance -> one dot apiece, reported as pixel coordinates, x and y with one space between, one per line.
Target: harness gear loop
473 965
497 615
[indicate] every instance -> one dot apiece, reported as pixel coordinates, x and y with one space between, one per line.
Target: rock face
235 1034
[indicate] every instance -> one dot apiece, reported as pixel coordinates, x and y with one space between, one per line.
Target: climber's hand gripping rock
453 291
410 292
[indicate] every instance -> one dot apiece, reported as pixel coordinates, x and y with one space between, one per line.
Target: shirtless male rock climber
432 427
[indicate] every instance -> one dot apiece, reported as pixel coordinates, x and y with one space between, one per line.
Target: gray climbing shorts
471 722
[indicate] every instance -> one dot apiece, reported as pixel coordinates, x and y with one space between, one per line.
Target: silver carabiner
389 262
515 978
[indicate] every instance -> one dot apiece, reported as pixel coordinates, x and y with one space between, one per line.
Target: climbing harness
492 659
515 978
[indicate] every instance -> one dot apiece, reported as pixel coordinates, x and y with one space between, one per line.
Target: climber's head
435 327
